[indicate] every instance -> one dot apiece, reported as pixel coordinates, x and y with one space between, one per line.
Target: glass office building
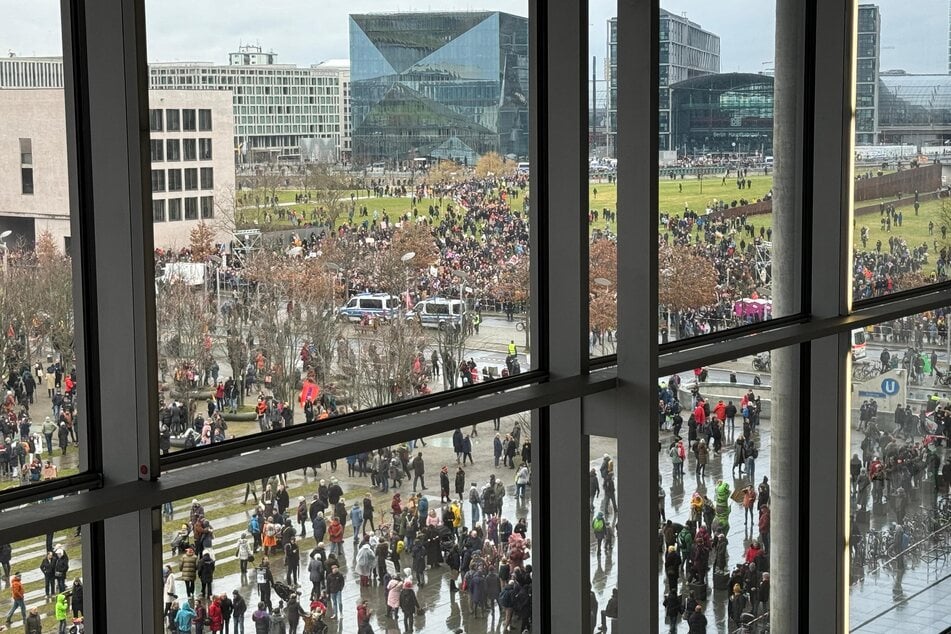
726 113
914 109
438 85
686 50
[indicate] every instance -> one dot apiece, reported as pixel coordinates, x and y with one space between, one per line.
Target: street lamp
463 280
333 266
406 258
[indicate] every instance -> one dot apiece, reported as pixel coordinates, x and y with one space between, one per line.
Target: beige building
192 164
34 186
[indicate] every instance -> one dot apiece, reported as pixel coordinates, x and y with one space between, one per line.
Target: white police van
372 305
438 312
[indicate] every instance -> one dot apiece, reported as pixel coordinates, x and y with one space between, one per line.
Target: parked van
523 167
858 344
438 312
373 305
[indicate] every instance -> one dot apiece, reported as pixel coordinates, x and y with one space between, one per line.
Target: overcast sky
914 33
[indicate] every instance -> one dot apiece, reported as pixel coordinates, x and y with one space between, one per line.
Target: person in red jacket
699 413
16 592
363 613
215 615
335 531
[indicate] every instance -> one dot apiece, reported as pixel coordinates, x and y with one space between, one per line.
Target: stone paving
444 611
677 506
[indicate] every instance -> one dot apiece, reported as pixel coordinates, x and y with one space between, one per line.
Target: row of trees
36 302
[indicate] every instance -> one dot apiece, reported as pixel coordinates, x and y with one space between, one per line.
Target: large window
405 277
438 230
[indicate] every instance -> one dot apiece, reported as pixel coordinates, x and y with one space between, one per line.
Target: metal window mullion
560 196
113 148
637 152
826 404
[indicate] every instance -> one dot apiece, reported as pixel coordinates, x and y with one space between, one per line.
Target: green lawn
391 205
673 196
914 230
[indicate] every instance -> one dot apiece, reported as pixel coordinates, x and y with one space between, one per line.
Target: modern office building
191 152
438 85
686 51
31 72
34 190
866 75
281 111
192 176
914 109
722 113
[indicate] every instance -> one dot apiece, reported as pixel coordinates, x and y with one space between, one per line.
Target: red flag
309 390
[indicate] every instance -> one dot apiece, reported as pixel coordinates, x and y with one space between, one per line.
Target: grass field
914 230
392 205
674 196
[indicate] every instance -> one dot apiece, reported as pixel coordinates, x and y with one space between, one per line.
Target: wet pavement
884 599
677 508
443 611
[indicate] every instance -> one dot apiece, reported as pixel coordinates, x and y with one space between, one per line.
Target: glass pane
40 411
349 233
899 472
715 525
716 221
602 172
603 479
902 114
48 570
429 515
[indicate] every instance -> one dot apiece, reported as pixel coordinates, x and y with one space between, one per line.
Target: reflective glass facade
712 113
438 85
913 106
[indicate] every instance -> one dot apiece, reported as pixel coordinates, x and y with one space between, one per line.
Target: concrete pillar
786 284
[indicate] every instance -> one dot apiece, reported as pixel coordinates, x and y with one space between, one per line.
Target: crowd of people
691 549
392 541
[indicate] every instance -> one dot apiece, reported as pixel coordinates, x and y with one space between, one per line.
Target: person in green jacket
62 611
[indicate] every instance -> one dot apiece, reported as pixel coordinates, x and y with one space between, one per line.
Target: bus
858 344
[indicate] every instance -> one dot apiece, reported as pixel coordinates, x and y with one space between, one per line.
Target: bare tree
185 321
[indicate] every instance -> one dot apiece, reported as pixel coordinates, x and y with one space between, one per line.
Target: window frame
110 182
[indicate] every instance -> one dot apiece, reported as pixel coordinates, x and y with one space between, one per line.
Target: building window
207 178
158 211
188 121
26 180
175 180
26 152
173 150
157 148
158 180
191 151
204 120
174 209
204 149
191 209
155 120
207 207
191 179
172 120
